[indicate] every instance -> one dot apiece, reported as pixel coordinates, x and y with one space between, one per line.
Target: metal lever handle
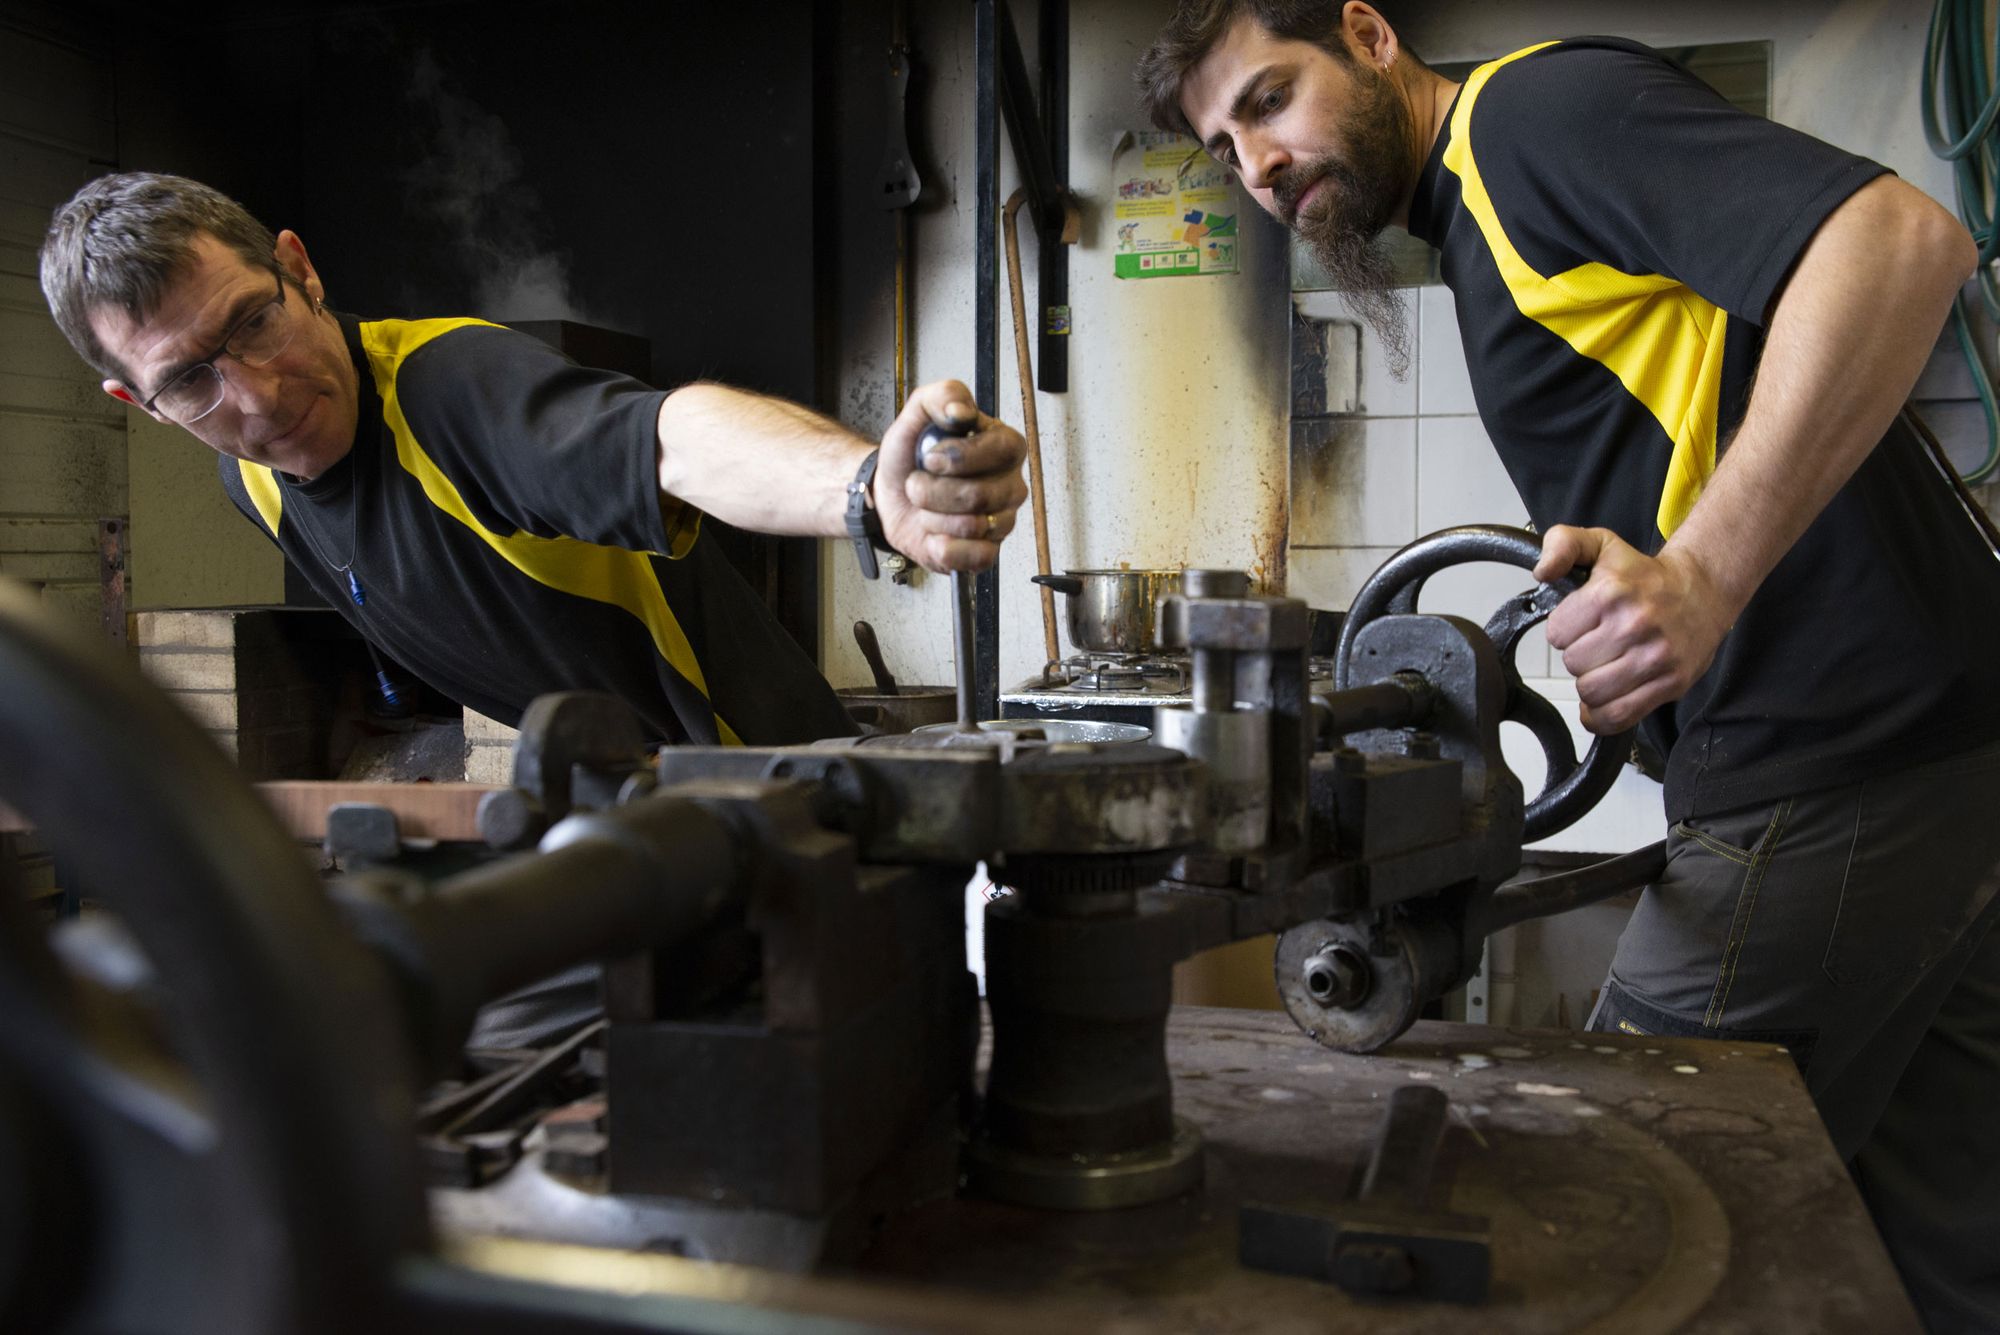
932 439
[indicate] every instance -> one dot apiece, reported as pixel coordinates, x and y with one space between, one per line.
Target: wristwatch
864 524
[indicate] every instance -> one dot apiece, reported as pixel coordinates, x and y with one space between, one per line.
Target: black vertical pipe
1052 291
985 312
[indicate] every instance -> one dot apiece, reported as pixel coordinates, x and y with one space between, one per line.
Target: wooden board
447 811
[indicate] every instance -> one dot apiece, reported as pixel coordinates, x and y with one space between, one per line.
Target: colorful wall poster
1174 214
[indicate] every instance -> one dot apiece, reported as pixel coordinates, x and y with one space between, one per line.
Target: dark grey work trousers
1852 925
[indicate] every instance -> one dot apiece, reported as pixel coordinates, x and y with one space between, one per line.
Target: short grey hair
124 239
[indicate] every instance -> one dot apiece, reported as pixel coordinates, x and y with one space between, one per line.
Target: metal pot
1112 611
910 708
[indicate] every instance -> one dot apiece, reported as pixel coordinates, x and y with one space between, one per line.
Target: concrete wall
62 442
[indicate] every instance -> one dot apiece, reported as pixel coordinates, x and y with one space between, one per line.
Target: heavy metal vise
792 1030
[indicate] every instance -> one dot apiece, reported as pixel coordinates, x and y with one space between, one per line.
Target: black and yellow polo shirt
500 513
1615 235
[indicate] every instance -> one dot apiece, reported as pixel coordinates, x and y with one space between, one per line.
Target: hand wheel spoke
1572 788
1532 710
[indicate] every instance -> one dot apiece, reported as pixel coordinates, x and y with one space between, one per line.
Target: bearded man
1691 333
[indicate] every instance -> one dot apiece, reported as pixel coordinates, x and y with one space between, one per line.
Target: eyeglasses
257 338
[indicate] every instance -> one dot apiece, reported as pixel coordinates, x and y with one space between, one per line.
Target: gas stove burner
1120 672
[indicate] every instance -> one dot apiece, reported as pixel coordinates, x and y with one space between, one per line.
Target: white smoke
470 178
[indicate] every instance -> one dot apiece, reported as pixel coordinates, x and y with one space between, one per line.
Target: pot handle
1068 584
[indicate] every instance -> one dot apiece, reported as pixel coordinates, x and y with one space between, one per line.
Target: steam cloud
470 179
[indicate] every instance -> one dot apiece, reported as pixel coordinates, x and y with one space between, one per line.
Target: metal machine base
1630 1185
1099 1182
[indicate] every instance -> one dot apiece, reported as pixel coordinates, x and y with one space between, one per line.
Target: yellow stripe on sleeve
1663 341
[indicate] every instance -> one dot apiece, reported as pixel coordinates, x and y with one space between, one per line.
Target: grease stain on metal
1546 1091
1516 1054
1144 820
1685 1069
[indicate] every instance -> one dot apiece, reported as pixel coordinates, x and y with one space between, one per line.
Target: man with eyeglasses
500 521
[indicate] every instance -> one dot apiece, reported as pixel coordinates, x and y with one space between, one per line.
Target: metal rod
1386 704
899 48
511 1096
1052 291
964 652
985 598
1573 889
902 308
1031 145
1030 423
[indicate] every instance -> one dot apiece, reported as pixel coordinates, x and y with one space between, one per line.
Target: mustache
1292 189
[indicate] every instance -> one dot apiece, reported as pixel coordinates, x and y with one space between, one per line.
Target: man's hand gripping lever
1638 632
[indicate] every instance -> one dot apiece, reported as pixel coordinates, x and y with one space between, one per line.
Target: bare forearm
1848 338
755 462
775 467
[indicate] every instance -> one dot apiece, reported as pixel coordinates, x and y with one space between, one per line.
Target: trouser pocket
1620 1012
1740 911
1717 869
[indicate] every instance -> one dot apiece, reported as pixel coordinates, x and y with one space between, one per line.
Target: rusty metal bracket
111 577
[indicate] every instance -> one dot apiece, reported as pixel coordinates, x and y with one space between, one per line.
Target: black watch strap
864 525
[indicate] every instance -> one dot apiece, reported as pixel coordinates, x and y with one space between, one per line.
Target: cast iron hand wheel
237 1158
1571 789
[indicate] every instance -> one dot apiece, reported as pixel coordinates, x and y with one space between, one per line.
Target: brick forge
489 749
265 692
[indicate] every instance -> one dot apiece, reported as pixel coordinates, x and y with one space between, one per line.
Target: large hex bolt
1338 977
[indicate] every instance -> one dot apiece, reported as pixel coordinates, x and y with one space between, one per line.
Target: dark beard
1343 228
1360 266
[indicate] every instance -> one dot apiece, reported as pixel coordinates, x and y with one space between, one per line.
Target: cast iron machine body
828 1014
791 1028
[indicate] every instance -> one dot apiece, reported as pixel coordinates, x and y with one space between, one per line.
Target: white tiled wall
1413 461
1444 386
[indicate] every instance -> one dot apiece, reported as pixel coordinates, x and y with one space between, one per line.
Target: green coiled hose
1961 105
